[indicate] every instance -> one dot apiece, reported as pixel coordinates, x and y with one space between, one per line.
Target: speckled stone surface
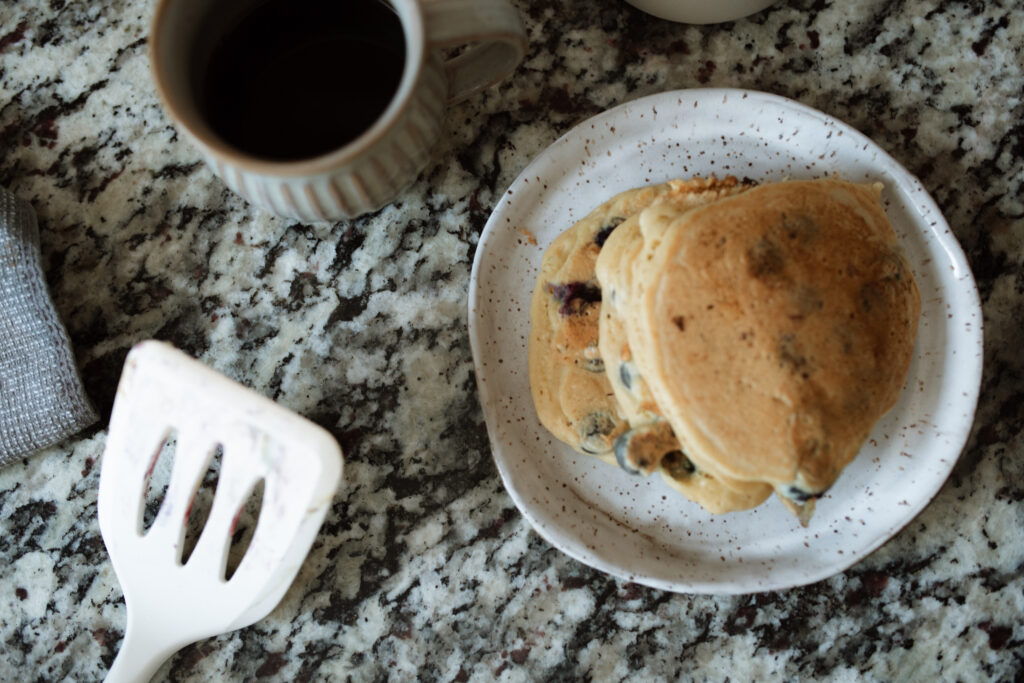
424 568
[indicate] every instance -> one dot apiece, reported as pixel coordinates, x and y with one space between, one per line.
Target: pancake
614 277
773 329
650 445
567 380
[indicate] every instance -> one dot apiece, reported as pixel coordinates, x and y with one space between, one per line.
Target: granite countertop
424 567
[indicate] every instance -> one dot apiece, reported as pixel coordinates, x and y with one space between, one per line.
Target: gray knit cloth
41 396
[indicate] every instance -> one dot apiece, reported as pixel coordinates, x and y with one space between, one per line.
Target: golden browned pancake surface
774 328
651 439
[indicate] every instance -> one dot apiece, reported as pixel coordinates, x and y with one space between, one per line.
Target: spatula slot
243 527
157 478
202 501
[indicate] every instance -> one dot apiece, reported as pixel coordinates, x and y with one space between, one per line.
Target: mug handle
496 31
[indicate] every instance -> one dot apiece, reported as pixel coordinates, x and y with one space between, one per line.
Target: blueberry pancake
650 444
614 278
774 328
567 378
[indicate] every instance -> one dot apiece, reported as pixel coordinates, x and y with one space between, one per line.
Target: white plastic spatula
171 604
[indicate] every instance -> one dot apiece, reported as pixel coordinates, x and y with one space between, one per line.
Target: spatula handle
143 650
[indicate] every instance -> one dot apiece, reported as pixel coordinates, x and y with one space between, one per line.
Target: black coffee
298 78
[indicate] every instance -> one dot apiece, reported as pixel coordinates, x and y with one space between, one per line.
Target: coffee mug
322 110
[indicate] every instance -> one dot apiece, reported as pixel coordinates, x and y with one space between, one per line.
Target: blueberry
622 452
640 449
626 374
798 495
573 297
606 230
594 431
678 465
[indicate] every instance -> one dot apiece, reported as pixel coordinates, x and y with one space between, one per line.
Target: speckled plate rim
948 285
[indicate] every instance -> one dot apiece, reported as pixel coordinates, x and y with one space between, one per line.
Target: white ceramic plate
639 529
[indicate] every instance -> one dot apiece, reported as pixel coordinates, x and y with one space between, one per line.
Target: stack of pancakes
736 339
